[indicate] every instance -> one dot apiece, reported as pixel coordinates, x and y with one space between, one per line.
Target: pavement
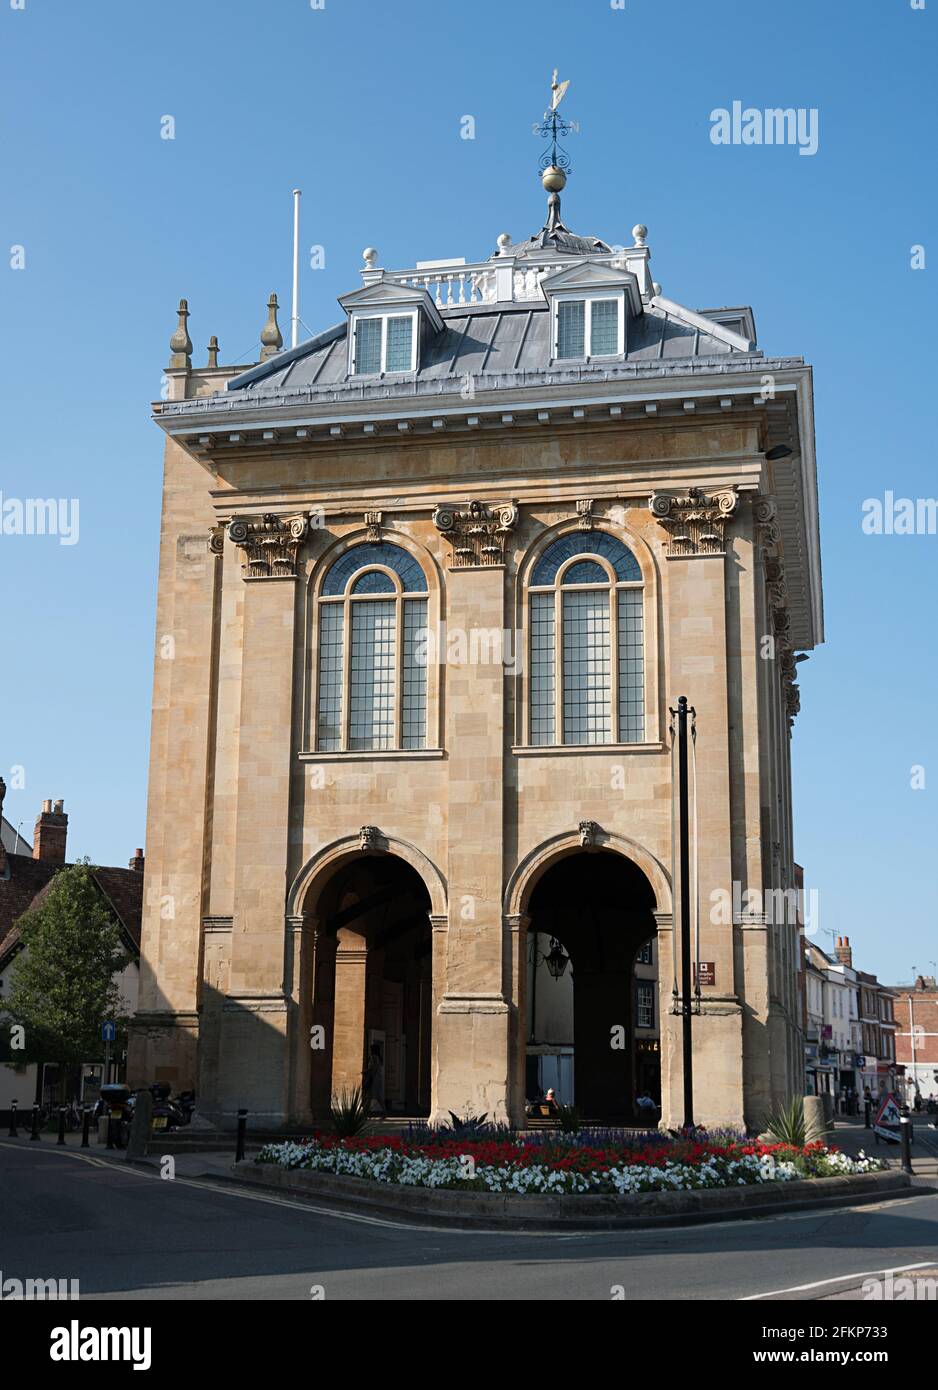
184 1230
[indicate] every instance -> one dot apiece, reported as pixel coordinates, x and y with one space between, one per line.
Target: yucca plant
786 1122
568 1119
349 1113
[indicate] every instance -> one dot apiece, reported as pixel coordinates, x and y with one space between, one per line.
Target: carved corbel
369 838
589 834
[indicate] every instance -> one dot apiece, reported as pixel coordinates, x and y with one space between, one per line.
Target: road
125 1232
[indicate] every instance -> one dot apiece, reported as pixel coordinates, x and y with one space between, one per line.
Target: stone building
429 584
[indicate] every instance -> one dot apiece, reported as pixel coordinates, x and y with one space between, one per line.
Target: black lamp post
682 712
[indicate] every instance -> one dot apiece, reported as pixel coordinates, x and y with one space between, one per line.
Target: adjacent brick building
916 1013
24 881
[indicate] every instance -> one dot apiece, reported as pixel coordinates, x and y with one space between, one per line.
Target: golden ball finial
553 178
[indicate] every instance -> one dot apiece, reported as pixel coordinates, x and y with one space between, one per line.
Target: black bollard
13 1119
905 1143
62 1113
85 1127
242 1129
867 1110
34 1132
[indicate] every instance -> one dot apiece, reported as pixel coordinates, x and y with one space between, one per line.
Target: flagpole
295 320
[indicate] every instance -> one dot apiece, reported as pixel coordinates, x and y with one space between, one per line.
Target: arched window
587 671
372 652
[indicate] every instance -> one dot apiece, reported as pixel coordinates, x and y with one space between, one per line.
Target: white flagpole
295 321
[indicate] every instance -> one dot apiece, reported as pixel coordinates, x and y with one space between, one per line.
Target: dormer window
384 343
590 326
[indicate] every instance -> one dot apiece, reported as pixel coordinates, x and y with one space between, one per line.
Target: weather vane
555 162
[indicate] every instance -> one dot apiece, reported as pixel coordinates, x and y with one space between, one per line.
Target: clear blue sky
360 104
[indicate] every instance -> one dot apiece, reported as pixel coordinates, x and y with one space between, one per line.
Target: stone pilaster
697 528
471 1063
255 1017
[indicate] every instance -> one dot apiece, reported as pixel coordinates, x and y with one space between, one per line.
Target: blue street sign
861 1062
108 1032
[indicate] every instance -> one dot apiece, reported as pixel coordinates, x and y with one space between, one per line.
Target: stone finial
271 337
212 351
504 241
640 233
180 344
370 257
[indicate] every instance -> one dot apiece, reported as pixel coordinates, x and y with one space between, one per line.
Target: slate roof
27 883
487 340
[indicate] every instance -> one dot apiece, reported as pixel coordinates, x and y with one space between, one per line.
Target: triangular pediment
586 275
387 294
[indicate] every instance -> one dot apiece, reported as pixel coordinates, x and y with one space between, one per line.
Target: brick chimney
50 832
137 862
844 951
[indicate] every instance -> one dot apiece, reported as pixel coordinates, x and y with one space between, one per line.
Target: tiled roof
28 882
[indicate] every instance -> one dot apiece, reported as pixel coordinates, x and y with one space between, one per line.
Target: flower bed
565 1164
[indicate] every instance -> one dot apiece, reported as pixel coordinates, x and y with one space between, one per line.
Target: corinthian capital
695 523
271 544
478 533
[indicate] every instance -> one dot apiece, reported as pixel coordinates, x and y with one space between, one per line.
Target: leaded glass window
604 327
368 346
586 632
589 327
372 652
571 328
383 343
400 342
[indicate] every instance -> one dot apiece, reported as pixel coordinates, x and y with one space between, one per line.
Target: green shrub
349 1113
568 1118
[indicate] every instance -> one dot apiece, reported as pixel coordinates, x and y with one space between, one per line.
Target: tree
65 983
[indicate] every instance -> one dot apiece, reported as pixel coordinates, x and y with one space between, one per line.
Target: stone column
516 972
255 1069
299 987
348 1028
323 1017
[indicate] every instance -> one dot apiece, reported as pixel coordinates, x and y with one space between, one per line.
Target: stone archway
371 978
600 907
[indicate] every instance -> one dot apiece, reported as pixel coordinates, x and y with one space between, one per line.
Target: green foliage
787 1122
63 983
349 1113
467 1126
568 1118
